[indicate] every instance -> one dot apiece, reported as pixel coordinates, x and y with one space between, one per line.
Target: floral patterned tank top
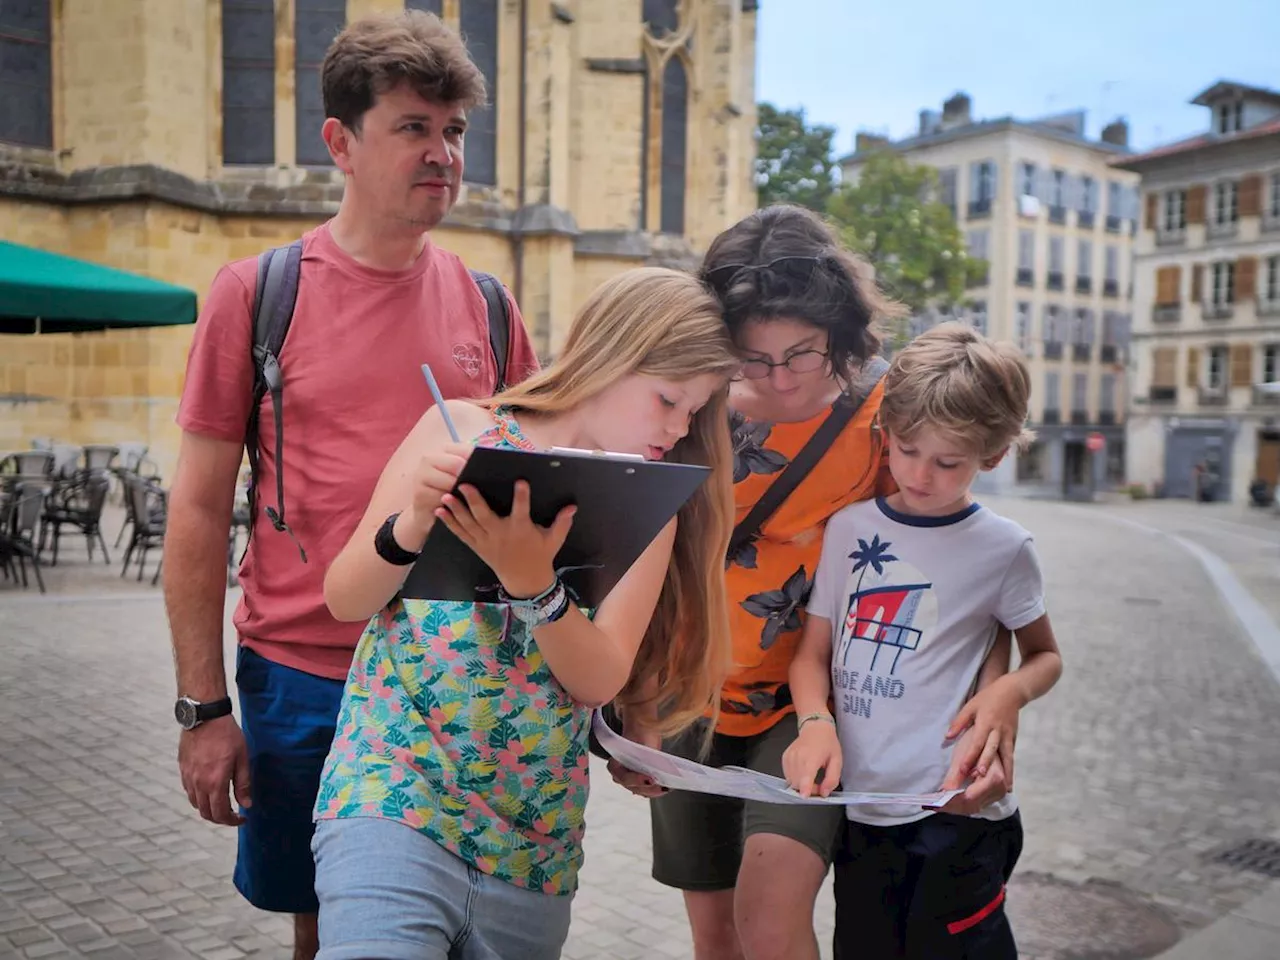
453 724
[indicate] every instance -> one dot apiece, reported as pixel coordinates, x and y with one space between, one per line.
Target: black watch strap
213 710
384 542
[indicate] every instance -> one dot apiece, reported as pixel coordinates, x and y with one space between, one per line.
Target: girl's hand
435 476
519 551
816 750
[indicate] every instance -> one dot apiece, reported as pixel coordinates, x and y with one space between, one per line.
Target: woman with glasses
803 312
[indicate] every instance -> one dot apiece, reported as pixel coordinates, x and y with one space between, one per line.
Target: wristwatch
191 713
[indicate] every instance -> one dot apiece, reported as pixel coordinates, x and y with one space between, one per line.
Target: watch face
184 711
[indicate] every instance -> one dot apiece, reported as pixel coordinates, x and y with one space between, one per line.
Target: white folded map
677 773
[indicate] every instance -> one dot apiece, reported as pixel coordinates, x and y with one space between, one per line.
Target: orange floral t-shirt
770 578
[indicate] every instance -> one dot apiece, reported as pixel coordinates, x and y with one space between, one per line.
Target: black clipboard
623 503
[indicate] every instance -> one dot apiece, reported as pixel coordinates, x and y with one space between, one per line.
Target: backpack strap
495 298
279 270
842 413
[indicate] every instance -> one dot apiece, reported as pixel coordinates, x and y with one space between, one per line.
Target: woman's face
785 368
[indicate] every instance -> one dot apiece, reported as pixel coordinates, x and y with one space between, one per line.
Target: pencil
435 393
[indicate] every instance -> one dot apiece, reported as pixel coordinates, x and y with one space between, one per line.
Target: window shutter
1153 210
1196 203
1246 278
1164 362
1250 197
1168 280
1193 366
1197 283
1241 364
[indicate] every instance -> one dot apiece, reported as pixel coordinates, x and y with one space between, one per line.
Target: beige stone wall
138 82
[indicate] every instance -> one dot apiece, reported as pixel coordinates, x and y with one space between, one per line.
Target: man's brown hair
955 380
377 54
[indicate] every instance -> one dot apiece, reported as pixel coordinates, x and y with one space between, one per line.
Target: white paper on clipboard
677 773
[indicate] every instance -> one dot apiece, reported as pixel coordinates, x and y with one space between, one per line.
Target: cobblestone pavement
1160 747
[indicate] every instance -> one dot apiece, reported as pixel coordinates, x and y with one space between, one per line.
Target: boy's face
934 471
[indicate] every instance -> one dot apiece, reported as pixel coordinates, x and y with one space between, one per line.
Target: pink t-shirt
353 388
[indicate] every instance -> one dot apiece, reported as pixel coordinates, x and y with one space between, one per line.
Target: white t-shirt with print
914 604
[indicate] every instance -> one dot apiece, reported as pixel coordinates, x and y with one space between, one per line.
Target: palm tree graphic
873 555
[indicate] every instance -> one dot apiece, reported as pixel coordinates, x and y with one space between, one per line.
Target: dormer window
1230 117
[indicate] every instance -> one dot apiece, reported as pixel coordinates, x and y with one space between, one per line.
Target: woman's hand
519 551
641 784
815 751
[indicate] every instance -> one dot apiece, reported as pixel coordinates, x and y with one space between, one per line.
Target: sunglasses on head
727 273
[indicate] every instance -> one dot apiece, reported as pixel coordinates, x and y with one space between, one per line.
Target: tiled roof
1191 144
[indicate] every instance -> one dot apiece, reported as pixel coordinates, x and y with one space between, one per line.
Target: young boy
906 603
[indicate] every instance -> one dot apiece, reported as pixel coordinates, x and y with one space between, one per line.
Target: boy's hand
816 750
981 793
991 719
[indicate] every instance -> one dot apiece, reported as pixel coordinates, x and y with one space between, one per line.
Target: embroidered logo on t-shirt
468 358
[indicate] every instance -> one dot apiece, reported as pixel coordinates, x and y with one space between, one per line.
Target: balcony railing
1084 219
1111 288
1051 417
1171 238
1220 230
1054 280
1052 350
1269 306
1057 214
1106 418
1166 313
1266 398
1026 277
1084 284
1113 224
1081 352
1218 311
979 208
1109 353
1212 396
1079 417
1163 394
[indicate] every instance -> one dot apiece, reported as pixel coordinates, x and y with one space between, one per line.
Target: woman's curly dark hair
784 262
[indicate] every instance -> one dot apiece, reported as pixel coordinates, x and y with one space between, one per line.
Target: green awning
45 292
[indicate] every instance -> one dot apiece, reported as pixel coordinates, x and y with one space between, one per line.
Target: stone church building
166 137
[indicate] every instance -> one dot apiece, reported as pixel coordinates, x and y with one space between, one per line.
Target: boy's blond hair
955 380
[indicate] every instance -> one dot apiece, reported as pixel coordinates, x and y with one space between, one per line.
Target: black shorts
929 890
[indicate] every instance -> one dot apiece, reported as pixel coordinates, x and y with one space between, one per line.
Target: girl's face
786 368
646 415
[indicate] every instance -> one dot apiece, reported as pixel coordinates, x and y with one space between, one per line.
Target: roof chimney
1116 132
866 142
930 120
957 112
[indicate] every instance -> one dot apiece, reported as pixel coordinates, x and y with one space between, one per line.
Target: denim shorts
388 892
289 718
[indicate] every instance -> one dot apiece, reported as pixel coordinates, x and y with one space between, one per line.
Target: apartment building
1041 203
1206 383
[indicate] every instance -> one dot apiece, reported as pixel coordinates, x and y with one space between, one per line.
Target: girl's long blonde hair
666 324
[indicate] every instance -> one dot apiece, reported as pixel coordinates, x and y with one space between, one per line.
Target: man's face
406 160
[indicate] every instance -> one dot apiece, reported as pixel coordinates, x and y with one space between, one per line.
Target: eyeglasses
726 273
806 361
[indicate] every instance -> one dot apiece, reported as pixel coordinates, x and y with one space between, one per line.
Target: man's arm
195 574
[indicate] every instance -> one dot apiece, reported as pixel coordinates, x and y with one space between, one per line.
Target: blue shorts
289 719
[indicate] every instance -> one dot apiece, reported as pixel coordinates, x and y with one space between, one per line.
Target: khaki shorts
698 838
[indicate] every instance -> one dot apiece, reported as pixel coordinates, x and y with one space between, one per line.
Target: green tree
793 159
891 217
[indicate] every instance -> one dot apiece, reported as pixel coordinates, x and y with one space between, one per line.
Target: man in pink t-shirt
376 300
